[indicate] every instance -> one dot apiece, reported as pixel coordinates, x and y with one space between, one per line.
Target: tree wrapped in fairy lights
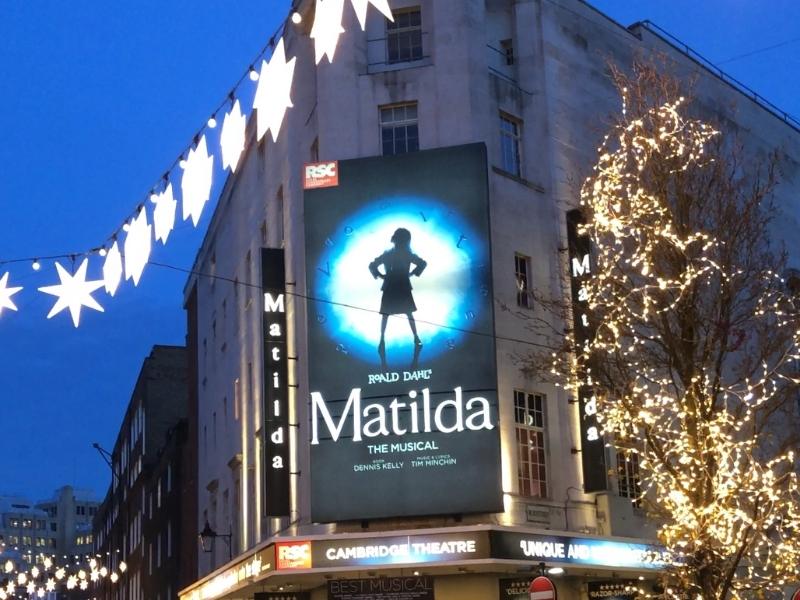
695 352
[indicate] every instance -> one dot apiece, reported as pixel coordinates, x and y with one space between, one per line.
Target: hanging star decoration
327 28
273 92
164 213
6 293
196 181
360 6
73 292
137 246
232 138
112 269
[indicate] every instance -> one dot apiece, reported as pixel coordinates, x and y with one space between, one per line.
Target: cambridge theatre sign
463 545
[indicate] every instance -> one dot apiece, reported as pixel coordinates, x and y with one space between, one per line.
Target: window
531 463
628 481
507 46
404 36
399 129
509 144
522 279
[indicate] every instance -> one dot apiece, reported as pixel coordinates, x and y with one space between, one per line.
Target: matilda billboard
402 367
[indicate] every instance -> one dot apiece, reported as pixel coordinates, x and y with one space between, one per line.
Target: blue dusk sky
98 100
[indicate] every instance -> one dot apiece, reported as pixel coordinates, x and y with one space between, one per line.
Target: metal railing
680 46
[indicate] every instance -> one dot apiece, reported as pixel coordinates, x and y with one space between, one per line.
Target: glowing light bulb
122 566
253 74
212 122
297 18
36 265
102 252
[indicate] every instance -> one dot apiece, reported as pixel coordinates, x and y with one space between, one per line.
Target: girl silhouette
396 288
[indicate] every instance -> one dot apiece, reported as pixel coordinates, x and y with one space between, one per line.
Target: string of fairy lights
752 509
189 180
21 579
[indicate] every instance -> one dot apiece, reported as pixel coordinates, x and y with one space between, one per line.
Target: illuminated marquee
592 445
397 550
577 550
276 389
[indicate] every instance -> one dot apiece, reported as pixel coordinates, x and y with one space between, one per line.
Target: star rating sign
73 292
112 269
196 181
232 137
360 6
273 92
164 213
137 246
5 300
327 28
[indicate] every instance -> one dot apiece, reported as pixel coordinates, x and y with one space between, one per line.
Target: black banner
276 389
613 590
381 588
402 362
593 456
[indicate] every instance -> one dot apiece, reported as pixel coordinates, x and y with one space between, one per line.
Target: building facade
137 529
59 526
475 121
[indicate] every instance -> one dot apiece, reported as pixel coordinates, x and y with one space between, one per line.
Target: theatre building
363 296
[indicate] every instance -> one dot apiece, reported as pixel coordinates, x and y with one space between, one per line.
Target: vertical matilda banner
276 400
592 444
402 366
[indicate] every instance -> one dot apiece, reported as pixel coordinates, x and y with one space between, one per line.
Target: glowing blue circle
444 294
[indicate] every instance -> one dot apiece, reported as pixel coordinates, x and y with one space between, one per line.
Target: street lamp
207 537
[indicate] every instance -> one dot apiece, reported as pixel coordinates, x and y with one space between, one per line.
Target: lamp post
207 537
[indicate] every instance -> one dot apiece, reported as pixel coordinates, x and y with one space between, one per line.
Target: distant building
60 526
139 522
72 511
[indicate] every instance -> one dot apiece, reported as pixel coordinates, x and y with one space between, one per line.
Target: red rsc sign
320 175
542 588
293 555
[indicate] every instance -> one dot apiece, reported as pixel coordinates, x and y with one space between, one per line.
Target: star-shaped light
360 6
72 581
327 28
73 292
273 92
112 269
137 246
232 137
31 588
50 585
5 297
164 213
196 181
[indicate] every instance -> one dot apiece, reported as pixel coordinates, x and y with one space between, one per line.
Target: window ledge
399 66
518 179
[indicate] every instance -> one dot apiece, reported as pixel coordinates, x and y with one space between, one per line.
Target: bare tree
695 345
